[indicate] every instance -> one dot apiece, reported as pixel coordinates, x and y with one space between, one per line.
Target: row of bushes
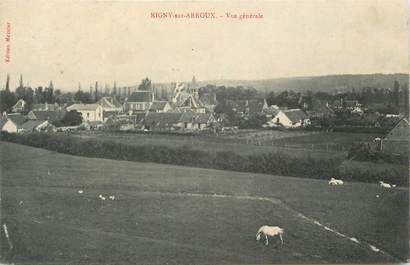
363 152
276 163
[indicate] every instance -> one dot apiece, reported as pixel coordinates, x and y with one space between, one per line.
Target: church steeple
21 81
193 82
8 82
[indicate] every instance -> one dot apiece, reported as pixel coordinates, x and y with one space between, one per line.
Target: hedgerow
275 163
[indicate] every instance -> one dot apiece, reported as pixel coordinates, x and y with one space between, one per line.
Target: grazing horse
269 231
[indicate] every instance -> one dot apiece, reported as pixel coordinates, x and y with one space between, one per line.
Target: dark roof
192 102
49 115
162 119
140 96
158 105
109 102
31 124
196 117
400 132
17 119
109 113
295 115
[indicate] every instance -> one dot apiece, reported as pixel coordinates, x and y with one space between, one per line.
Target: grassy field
326 140
181 215
239 143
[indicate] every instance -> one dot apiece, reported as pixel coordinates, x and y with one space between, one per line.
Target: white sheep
334 181
386 185
80 191
102 197
112 197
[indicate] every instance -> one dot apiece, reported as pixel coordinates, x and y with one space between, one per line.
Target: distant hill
317 83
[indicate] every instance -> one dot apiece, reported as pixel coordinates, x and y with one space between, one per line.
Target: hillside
181 215
314 83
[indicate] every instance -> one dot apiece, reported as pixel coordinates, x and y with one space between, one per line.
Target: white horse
270 231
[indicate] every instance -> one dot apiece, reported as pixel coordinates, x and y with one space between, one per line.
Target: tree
72 118
145 85
396 94
96 91
84 97
7 100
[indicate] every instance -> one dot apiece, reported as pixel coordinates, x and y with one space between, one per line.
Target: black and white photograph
204 132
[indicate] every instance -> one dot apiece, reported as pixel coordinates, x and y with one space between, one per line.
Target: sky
72 42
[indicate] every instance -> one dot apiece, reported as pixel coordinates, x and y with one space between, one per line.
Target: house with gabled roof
160 106
197 121
36 126
89 112
139 101
111 106
12 123
291 118
397 140
20 106
50 116
163 121
191 103
172 121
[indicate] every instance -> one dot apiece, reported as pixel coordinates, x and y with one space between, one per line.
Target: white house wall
10 127
92 115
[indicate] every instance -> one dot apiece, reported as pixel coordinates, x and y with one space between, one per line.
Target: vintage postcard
204 132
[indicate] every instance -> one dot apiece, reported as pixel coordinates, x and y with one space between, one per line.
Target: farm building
19 106
291 118
191 104
160 106
37 126
12 123
163 121
139 101
17 123
110 105
89 112
172 121
198 121
397 140
51 116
